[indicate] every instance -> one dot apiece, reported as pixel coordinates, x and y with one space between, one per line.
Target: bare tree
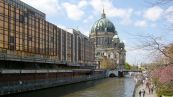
161 51
154 43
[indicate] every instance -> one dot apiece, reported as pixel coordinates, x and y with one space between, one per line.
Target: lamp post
99 64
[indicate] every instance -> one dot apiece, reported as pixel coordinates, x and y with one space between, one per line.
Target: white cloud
112 11
62 27
108 7
169 14
124 41
138 13
127 18
65 28
50 7
139 56
84 30
141 23
153 13
88 19
82 3
74 11
98 4
153 25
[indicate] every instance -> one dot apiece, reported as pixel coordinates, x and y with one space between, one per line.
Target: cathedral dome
103 25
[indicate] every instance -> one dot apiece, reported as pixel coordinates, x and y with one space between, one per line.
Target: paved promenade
146 92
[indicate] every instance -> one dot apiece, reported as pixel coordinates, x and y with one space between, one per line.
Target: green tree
128 66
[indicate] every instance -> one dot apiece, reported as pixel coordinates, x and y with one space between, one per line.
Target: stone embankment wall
18 87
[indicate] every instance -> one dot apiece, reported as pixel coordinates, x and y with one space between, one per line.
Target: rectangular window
1 17
1 4
6 25
11 40
21 18
17 16
6 12
17 11
11 43
29 38
11 47
1 10
12 27
17 28
1 24
1 37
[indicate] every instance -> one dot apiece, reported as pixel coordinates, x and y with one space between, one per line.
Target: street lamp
98 64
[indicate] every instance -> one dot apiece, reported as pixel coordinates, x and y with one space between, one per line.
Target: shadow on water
59 90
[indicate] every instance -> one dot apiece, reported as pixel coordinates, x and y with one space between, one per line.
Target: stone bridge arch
112 73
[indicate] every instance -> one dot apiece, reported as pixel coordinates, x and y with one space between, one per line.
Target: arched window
98 53
102 40
106 40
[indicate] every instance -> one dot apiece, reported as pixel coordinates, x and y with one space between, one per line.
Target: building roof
103 25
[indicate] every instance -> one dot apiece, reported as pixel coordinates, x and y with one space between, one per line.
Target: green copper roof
103 25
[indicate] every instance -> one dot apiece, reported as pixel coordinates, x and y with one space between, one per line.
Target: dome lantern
103 14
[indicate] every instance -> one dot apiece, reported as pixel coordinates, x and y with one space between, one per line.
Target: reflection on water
110 87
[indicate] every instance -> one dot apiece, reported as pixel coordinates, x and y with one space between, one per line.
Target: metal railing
33 58
13 56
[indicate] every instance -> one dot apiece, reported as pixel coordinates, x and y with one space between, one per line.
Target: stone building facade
109 51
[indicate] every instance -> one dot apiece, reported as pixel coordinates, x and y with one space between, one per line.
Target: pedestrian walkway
146 92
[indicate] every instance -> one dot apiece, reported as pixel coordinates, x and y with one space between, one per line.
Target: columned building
109 51
27 38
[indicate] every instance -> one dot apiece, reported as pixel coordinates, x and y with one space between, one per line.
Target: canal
109 87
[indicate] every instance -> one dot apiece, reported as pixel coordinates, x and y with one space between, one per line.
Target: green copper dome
103 25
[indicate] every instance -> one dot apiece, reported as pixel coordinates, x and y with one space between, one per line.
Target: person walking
147 84
149 87
152 89
143 92
140 93
149 90
143 82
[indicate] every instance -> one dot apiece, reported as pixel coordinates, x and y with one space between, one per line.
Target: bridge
119 73
132 70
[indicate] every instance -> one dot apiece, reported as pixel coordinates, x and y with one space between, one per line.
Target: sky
131 18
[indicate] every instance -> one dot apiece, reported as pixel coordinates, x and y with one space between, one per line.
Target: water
110 87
